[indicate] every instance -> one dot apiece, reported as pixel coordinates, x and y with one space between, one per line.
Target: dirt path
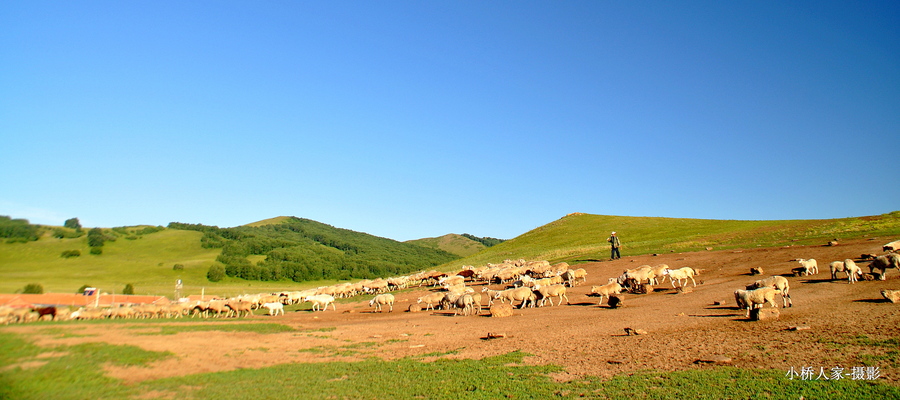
582 337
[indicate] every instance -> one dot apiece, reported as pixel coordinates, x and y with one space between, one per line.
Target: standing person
614 244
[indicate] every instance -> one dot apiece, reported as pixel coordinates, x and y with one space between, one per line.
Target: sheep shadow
814 281
714 315
872 301
583 304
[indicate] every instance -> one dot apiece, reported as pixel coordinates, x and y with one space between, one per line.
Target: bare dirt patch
843 319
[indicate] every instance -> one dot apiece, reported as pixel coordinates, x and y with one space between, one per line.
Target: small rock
892 295
618 361
720 303
501 310
709 249
493 335
684 289
799 328
632 331
616 301
762 314
415 307
717 360
681 314
756 271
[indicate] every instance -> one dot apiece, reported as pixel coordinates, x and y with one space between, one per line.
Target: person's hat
613 233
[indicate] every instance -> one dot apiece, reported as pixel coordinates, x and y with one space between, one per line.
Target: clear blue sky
416 119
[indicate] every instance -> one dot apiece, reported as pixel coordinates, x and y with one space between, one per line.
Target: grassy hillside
582 237
145 262
451 243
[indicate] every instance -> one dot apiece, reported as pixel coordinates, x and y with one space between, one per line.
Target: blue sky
416 119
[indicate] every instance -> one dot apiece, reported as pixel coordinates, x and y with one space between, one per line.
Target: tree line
305 250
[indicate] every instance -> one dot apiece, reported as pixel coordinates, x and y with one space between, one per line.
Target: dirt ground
583 337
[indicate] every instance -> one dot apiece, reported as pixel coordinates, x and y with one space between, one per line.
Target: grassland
147 262
73 372
451 243
582 237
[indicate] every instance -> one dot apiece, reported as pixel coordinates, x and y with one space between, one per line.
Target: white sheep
847 266
852 270
380 300
778 282
466 303
890 260
895 245
321 301
810 266
431 299
680 274
546 292
755 298
607 290
522 294
274 308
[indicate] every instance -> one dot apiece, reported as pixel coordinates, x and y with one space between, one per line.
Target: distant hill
302 250
451 243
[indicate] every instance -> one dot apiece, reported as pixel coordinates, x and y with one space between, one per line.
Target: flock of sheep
528 283
764 291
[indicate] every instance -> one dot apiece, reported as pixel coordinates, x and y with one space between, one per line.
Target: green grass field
72 372
582 237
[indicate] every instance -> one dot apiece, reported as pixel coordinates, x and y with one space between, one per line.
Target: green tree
216 273
72 223
70 253
33 288
129 289
95 237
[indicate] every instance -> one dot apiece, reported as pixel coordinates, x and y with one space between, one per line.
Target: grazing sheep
639 275
321 301
810 266
607 290
657 274
239 308
522 294
755 298
852 270
547 292
274 308
895 245
431 299
684 273
466 303
890 260
382 299
847 266
491 295
835 267
778 282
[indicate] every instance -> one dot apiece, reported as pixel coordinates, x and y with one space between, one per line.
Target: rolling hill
580 237
451 243
150 261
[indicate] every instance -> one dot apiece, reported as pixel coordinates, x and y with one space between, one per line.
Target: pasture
569 351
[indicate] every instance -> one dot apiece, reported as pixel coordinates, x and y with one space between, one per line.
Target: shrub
178 267
96 251
216 273
33 288
129 289
81 289
70 253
